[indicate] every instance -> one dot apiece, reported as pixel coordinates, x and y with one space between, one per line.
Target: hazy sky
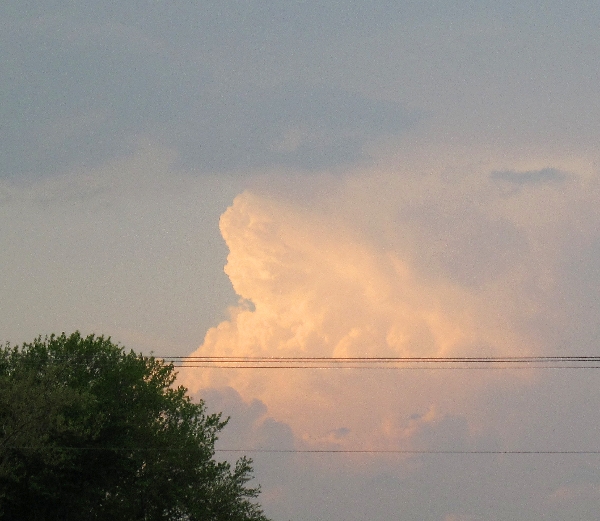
261 178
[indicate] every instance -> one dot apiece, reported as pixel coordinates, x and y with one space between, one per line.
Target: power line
318 451
468 358
361 363
517 359
433 368
309 362
409 452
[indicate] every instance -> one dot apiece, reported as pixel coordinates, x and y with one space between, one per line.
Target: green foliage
88 431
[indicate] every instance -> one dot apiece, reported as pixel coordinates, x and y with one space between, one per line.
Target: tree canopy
89 431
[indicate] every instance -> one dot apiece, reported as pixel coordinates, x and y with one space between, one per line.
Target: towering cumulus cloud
312 285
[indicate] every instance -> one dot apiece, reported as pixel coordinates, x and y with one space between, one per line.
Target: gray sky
381 179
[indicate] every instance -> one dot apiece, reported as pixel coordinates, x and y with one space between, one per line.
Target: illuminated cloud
311 285
401 264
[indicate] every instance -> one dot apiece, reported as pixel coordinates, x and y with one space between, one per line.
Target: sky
325 179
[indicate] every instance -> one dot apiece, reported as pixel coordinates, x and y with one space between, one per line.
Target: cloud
351 487
465 243
307 128
531 177
81 90
250 426
307 86
319 288
395 263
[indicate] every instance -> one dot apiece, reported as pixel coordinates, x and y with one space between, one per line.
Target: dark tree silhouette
89 431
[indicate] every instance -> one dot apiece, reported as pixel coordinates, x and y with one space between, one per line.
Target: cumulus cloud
310 285
395 264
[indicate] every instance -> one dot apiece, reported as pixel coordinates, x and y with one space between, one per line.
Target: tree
88 431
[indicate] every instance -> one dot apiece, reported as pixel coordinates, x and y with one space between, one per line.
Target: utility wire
489 362
415 452
434 368
321 451
510 359
362 363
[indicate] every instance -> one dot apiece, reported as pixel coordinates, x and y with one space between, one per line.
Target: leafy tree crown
90 431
